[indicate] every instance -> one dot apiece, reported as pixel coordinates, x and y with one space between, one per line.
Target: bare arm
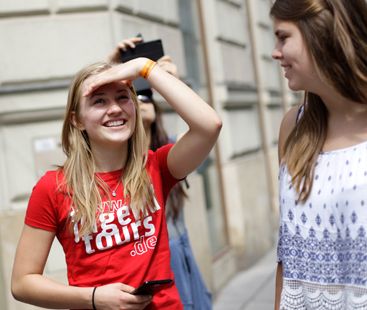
204 123
30 286
278 285
286 127
28 283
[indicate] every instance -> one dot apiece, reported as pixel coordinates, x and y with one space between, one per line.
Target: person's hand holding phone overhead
135 47
115 56
149 49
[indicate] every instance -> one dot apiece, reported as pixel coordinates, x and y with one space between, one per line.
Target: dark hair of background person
159 137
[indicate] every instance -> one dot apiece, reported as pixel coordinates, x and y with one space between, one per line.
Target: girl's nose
276 54
114 108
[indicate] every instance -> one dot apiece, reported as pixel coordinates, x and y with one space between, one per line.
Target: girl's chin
112 141
294 86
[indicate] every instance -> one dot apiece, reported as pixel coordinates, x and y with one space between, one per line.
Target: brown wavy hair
80 181
335 34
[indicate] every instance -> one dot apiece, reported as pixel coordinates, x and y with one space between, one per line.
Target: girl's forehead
284 24
118 84
113 86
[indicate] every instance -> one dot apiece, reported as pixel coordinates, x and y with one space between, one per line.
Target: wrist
147 68
94 298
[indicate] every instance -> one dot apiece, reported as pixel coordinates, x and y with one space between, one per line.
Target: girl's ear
75 122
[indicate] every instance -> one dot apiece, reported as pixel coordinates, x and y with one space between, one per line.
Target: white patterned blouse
323 242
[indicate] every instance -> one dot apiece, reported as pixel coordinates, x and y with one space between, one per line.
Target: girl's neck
346 124
341 108
110 159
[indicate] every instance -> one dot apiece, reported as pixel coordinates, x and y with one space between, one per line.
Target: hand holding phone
151 49
151 287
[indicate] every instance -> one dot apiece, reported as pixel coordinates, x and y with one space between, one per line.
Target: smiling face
108 115
293 56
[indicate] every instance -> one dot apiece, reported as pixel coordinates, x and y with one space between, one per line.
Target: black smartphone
150 287
149 49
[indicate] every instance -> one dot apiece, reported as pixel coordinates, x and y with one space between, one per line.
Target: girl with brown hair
322 47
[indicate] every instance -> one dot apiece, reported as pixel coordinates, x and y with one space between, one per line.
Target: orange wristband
148 67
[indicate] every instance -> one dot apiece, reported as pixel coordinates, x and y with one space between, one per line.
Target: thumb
126 288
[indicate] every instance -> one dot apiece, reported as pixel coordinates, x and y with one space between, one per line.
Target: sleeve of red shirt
168 180
41 211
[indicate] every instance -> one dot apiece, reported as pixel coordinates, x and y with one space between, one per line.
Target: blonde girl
106 203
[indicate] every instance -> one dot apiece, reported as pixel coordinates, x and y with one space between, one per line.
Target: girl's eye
282 38
99 101
123 98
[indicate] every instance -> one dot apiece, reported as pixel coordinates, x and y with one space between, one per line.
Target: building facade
222 49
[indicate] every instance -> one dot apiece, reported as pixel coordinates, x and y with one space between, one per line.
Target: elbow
209 129
16 291
217 126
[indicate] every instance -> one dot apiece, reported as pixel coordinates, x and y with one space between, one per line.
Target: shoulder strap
300 112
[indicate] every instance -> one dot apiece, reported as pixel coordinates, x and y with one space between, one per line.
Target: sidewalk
252 289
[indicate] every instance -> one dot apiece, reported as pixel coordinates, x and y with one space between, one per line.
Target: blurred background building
222 49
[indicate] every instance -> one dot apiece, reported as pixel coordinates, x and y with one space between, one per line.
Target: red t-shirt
123 248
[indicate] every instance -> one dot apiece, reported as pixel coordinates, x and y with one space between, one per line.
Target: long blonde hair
80 181
335 33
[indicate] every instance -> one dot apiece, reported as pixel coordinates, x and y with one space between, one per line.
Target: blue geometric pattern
323 241
326 261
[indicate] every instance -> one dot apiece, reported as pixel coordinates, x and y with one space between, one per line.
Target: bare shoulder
286 127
